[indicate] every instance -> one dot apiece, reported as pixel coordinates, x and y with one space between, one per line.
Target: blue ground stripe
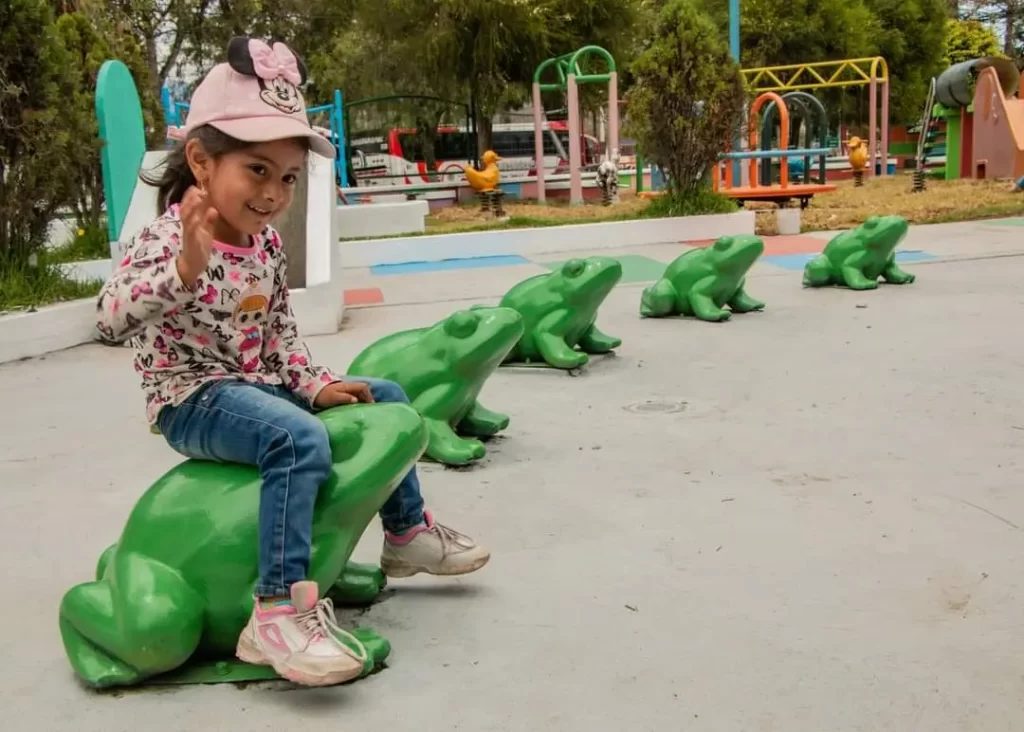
797 261
503 260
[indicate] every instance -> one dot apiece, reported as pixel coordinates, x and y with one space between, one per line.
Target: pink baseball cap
255 96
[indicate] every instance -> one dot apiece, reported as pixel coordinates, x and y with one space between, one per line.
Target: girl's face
249 187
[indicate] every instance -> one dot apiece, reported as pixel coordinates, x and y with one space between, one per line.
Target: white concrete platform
576 237
803 520
381 219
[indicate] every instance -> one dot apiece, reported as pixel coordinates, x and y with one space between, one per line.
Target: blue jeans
267 426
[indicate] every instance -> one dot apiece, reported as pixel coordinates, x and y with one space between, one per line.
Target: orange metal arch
755 108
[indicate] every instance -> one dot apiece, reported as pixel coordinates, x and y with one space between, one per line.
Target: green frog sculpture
442 369
559 311
177 587
701 282
858 257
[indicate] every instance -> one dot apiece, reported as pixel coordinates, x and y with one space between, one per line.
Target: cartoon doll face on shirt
249 316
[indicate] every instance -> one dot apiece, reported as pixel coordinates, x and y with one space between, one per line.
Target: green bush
687 99
89 242
691 203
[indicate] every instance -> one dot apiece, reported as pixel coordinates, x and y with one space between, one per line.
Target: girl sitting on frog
202 293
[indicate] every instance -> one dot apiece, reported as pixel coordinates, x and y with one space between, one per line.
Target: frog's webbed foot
447 447
119 633
594 341
894 275
855 279
741 302
358 586
558 354
482 422
818 272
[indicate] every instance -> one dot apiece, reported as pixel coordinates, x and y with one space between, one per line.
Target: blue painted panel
504 260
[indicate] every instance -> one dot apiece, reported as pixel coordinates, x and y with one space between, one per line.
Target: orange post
783 135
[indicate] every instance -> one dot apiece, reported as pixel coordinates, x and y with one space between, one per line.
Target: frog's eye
461 324
573 268
871 223
722 243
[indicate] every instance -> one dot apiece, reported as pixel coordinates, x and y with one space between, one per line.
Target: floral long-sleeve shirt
235 323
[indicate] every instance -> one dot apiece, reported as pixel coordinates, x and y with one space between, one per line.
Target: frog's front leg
482 422
557 353
594 341
894 275
139 621
447 447
741 302
702 304
855 279
358 586
444 445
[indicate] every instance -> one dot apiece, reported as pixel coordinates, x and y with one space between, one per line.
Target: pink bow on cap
271 63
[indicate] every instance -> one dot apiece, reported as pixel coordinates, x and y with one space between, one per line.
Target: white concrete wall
382 219
524 242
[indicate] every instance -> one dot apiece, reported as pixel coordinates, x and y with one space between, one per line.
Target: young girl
202 292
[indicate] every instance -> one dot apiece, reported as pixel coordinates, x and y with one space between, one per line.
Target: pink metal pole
575 179
872 126
613 118
538 143
885 127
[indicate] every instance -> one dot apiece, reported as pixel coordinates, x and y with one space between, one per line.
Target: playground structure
872 72
983 119
570 76
761 189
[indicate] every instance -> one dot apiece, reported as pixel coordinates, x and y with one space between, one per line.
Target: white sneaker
302 641
432 548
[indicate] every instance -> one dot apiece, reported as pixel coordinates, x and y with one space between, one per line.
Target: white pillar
613 118
538 142
575 177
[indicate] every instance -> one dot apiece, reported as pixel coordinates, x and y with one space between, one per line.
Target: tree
687 99
90 40
480 50
910 36
969 39
35 84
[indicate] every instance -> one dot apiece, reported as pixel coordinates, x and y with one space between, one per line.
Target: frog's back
383 357
687 269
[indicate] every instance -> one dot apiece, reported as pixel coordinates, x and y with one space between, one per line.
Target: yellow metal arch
819 75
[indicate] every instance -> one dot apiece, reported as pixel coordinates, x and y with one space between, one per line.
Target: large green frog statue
858 257
559 311
702 281
442 369
178 585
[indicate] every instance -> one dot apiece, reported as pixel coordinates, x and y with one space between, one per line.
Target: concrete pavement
804 520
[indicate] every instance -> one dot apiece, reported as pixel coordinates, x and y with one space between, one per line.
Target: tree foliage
969 39
687 98
35 92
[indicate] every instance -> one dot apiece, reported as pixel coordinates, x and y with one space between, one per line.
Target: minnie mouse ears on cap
255 96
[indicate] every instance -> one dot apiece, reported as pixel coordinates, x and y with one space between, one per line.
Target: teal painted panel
119 114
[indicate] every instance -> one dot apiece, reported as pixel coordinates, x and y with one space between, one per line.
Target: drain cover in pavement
656 406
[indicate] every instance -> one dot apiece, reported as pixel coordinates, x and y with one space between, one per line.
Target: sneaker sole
400 570
248 652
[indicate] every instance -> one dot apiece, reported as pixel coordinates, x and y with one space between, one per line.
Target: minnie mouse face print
279 71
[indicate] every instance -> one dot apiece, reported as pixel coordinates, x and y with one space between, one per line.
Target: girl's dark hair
175 177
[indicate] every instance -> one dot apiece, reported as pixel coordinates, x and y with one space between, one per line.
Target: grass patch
87 244
941 202
26 287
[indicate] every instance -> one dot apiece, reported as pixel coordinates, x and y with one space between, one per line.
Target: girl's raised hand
198 217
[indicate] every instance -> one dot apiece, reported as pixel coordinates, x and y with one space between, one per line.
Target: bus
397 156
